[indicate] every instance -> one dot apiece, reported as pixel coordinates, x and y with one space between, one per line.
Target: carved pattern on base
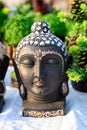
43 114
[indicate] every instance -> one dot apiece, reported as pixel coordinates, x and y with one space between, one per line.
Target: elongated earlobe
64 89
23 92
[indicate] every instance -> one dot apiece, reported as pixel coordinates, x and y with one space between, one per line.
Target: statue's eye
28 62
51 61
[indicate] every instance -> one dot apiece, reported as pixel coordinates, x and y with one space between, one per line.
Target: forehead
40 51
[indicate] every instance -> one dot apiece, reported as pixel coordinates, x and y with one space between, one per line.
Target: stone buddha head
4 62
40 64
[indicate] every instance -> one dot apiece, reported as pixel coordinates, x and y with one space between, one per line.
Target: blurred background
57 4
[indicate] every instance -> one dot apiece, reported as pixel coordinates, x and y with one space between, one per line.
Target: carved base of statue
44 110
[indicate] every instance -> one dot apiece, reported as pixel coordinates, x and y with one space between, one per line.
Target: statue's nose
38 68
39 75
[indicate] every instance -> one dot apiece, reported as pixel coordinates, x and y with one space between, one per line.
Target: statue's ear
22 89
3 66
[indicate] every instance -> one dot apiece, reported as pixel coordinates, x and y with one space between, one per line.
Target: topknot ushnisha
41 36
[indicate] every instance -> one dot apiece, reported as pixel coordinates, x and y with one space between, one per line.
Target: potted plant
77 72
76 43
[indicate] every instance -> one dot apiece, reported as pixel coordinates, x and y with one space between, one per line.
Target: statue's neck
43 99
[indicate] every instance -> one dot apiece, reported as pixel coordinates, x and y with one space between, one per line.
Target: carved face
41 69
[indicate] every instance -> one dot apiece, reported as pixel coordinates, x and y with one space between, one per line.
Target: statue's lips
39 83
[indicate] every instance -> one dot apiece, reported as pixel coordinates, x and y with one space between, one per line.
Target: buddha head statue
4 62
40 64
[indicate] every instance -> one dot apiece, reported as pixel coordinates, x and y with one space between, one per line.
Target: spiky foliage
76 41
78 29
78 49
78 10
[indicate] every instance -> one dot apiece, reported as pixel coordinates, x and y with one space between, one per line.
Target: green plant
15 28
76 42
78 69
78 29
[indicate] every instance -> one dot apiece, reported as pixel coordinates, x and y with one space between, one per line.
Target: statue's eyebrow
25 56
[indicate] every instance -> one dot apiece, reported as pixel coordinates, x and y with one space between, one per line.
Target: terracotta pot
80 86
